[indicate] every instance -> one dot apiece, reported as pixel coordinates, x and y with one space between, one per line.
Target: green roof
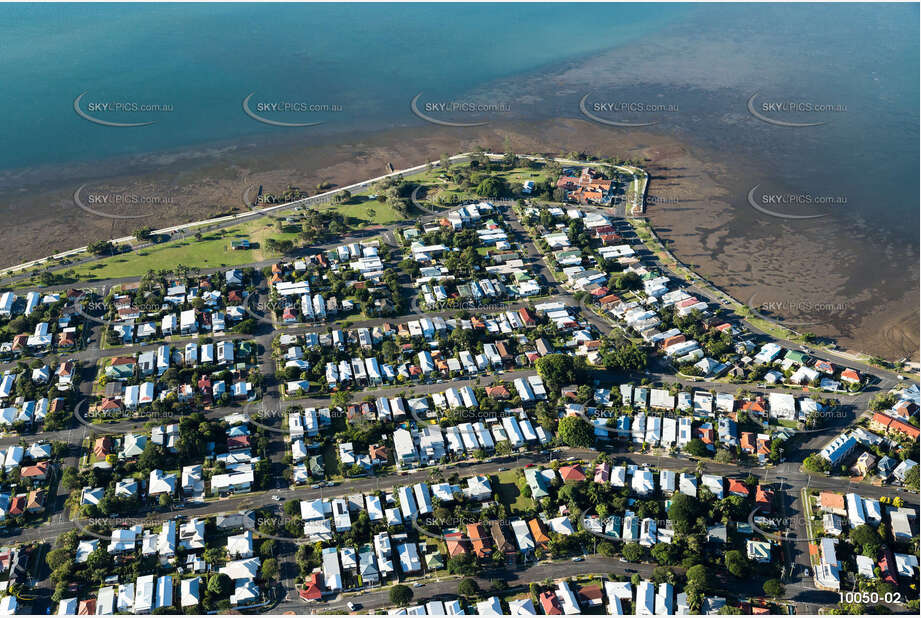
796 356
434 561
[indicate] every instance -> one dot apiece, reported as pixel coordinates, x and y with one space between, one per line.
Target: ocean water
203 60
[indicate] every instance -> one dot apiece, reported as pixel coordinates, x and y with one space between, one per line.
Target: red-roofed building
38 472
310 592
109 404
747 441
599 292
887 567
527 317
17 505
35 501
457 544
850 375
764 499
754 407
87 607
480 539
738 488
571 474
591 595
550 604
497 392
19 342
672 340
706 434
537 531
102 447
237 442
610 299
889 424
905 409
824 366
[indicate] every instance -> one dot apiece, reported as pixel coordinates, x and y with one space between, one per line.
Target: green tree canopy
468 587
773 588
401 594
576 431
557 370
220 585
737 563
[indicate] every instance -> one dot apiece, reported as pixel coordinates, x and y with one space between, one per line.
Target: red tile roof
571 474
737 487
550 604
850 375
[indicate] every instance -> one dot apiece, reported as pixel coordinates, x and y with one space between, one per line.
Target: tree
911 478
71 478
292 508
736 563
624 356
401 594
492 186
468 588
341 399
557 370
699 577
816 464
666 553
100 247
683 512
867 538
773 588
576 431
628 281
633 552
462 564
220 585
57 557
270 569
606 549
697 448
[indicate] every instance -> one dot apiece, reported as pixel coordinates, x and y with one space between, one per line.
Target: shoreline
689 199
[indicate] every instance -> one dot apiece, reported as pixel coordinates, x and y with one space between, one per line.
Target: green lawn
365 211
509 494
212 251
440 192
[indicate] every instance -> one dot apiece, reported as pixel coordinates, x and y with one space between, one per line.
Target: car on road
502 469
316 486
578 559
417 585
530 465
353 606
276 498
